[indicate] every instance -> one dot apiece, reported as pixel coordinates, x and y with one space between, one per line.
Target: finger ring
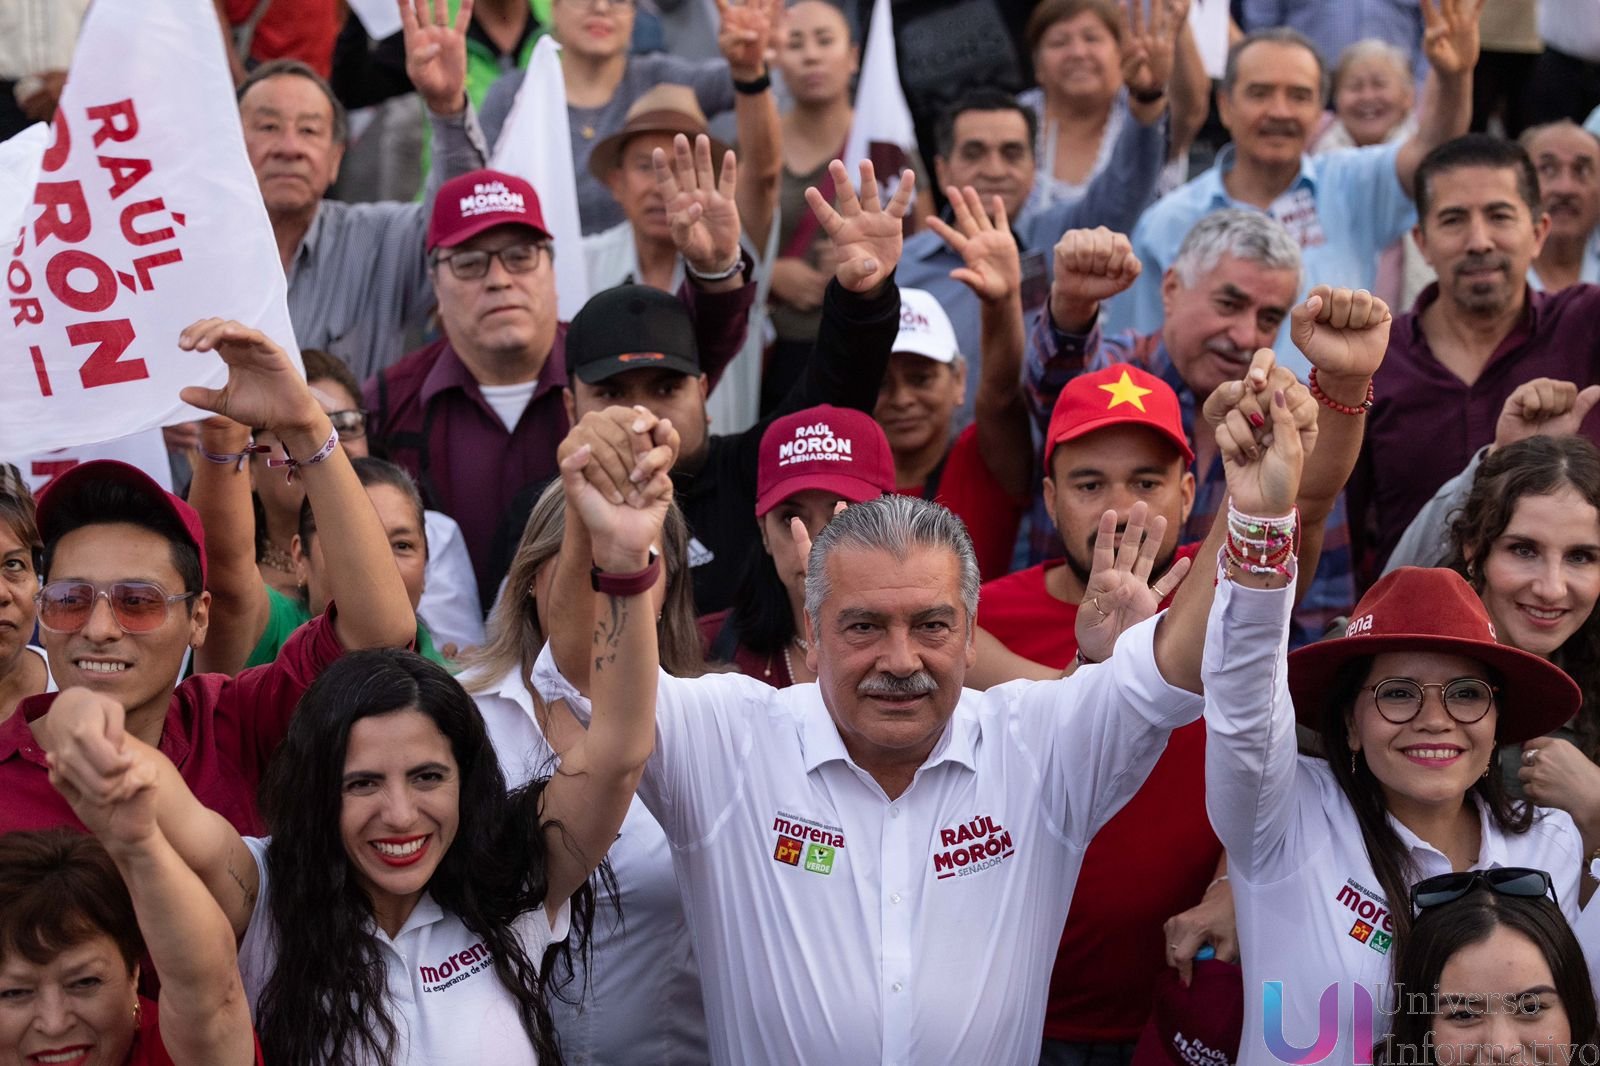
1529 756
1094 601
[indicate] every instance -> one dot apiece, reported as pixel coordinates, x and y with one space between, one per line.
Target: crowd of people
1146 613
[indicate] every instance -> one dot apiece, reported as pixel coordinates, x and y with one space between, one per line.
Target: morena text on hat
488 196
814 442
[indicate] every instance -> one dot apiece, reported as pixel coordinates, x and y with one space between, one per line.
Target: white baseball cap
924 327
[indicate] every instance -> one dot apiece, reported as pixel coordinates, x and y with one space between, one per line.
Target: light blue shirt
1344 208
1589 272
1114 199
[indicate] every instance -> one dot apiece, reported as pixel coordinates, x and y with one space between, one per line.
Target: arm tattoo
245 890
608 632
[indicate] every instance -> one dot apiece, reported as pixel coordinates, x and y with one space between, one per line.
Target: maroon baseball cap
64 490
1121 394
836 449
1198 1025
483 199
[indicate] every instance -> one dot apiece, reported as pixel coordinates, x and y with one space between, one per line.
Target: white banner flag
146 450
146 217
380 18
536 146
882 129
20 159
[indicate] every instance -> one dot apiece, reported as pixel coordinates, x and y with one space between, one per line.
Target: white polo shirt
444 998
1310 910
641 992
835 925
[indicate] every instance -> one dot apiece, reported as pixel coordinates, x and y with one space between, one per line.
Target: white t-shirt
49 678
642 999
445 1000
1311 912
509 401
833 924
450 605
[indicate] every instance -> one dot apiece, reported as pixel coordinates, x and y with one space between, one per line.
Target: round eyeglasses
1466 699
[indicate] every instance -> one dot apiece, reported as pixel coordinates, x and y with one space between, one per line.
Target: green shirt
286 614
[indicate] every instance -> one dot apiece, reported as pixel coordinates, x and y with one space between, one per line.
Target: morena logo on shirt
1371 912
455 968
971 847
818 845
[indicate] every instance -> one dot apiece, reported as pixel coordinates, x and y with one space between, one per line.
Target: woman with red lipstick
77 914
1410 707
403 908
24 670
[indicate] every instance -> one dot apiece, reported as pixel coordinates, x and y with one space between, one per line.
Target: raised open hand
1543 407
866 235
993 268
1091 265
1119 593
1263 464
263 388
436 52
1450 38
1343 332
700 203
746 34
624 531
1148 43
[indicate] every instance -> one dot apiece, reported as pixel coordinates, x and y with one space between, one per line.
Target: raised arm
264 389
747 35
1450 43
220 494
205 1020
1190 85
993 272
590 794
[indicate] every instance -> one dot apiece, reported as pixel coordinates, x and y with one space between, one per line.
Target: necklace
802 643
788 663
275 558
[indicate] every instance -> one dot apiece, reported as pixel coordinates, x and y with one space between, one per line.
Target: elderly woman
1091 57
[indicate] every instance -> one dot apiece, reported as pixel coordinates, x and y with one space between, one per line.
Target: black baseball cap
631 327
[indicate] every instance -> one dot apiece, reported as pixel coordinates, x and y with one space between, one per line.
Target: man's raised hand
1119 593
1543 407
263 387
436 52
700 203
1091 265
1343 332
993 268
866 235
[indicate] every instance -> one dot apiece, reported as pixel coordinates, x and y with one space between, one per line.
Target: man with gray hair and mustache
1231 285
877 867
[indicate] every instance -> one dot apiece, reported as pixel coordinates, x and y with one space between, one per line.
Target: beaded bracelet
236 459
1261 545
294 464
1334 405
720 275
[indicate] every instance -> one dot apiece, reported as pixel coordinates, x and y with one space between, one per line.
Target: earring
138 1011
1352 764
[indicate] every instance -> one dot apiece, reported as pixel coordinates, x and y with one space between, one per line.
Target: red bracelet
626 584
295 465
1334 405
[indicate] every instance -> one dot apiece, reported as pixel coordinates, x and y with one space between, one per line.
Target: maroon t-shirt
1152 860
220 731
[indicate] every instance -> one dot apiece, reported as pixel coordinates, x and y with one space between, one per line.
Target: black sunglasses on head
1519 881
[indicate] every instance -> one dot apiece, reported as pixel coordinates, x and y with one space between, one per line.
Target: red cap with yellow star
1118 395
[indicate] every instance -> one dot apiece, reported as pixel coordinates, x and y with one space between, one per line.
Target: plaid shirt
1055 358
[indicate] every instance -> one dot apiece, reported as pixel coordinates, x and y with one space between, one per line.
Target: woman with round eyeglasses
24 668
1490 972
1410 707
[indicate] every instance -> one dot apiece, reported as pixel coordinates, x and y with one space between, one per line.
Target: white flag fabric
882 129
20 160
146 217
145 449
380 18
536 146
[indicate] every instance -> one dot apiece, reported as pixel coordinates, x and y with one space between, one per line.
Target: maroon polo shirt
428 415
220 732
1426 423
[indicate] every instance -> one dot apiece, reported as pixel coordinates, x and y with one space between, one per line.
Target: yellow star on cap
1125 391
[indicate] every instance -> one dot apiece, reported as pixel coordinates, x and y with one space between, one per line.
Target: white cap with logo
924 327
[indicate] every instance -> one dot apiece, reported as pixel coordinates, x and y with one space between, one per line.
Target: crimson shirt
992 516
147 1049
1152 860
220 731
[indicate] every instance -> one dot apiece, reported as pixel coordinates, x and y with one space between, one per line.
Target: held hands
1091 265
994 269
1543 407
866 235
700 207
1344 334
745 35
436 52
615 468
1148 46
1263 454
263 387
106 775
1450 34
1119 593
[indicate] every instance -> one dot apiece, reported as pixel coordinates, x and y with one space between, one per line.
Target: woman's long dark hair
762 613
1388 855
1538 466
1439 932
326 1003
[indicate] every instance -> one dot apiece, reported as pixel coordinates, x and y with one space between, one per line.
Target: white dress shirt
1310 910
834 924
449 604
641 994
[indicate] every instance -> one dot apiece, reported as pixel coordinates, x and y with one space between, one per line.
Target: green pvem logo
1380 942
819 859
